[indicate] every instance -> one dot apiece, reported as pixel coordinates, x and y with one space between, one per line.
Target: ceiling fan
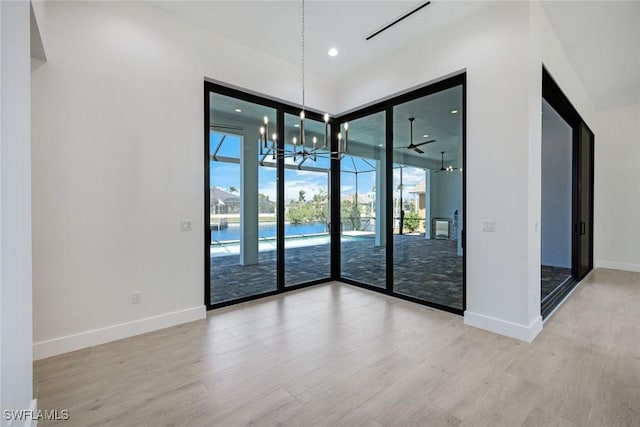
413 146
442 168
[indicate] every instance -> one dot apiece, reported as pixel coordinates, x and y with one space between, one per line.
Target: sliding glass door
242 202
583 227
267 197
306 188
394 223
427 198
362 202
577 172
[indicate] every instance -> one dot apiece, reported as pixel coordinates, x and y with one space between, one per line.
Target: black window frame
553 94
387 106
282 108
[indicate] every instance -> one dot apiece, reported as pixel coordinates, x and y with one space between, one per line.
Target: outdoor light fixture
301 149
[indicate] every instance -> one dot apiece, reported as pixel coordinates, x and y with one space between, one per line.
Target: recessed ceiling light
454 111
380 145
333 52
296 125
238 110
425 136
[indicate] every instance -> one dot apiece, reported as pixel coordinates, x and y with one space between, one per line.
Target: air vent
406 15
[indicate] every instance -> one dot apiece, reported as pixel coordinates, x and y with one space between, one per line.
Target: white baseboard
625 266
514 330
30 419
34 408
94 337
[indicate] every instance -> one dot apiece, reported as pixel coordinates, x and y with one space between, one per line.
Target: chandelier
302 150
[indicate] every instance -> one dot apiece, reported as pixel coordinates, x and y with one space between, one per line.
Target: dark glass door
583 227
242 202
428 202
363 212
307 249
582 166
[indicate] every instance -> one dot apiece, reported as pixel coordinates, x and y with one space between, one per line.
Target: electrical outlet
185 225
136 297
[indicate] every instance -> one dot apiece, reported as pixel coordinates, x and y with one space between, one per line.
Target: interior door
583 226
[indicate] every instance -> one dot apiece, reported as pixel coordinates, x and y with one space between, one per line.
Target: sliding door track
551 301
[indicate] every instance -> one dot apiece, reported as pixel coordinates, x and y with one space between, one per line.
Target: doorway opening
567 197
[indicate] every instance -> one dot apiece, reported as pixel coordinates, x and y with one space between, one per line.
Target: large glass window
394 223
242 202
362 202
427 198
306 196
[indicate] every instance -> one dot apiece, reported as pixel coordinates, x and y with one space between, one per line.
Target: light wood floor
335 355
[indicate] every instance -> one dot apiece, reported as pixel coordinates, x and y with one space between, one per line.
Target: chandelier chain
300 149
302 50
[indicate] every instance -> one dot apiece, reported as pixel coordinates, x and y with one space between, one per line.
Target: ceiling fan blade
416 149
425 142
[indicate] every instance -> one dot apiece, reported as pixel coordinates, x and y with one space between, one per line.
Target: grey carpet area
551 278
426 269
429 270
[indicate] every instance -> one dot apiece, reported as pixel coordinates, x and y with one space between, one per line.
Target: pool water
268 230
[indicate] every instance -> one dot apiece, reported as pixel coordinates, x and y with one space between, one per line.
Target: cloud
269 188
410 176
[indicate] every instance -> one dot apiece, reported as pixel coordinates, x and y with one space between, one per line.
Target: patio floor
427 269
551 278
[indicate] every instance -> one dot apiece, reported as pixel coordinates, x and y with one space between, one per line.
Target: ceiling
602 41
600 38
274 27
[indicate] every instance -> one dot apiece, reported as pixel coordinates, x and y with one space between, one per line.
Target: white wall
117 163
557 190
15 210
617 189
446 194
445 198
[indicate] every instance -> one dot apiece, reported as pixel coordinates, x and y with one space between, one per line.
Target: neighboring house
222 202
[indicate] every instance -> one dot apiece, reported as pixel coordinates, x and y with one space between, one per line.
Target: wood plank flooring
336 355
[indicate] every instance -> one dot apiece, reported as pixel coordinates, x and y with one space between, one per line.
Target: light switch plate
488 225
136 297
